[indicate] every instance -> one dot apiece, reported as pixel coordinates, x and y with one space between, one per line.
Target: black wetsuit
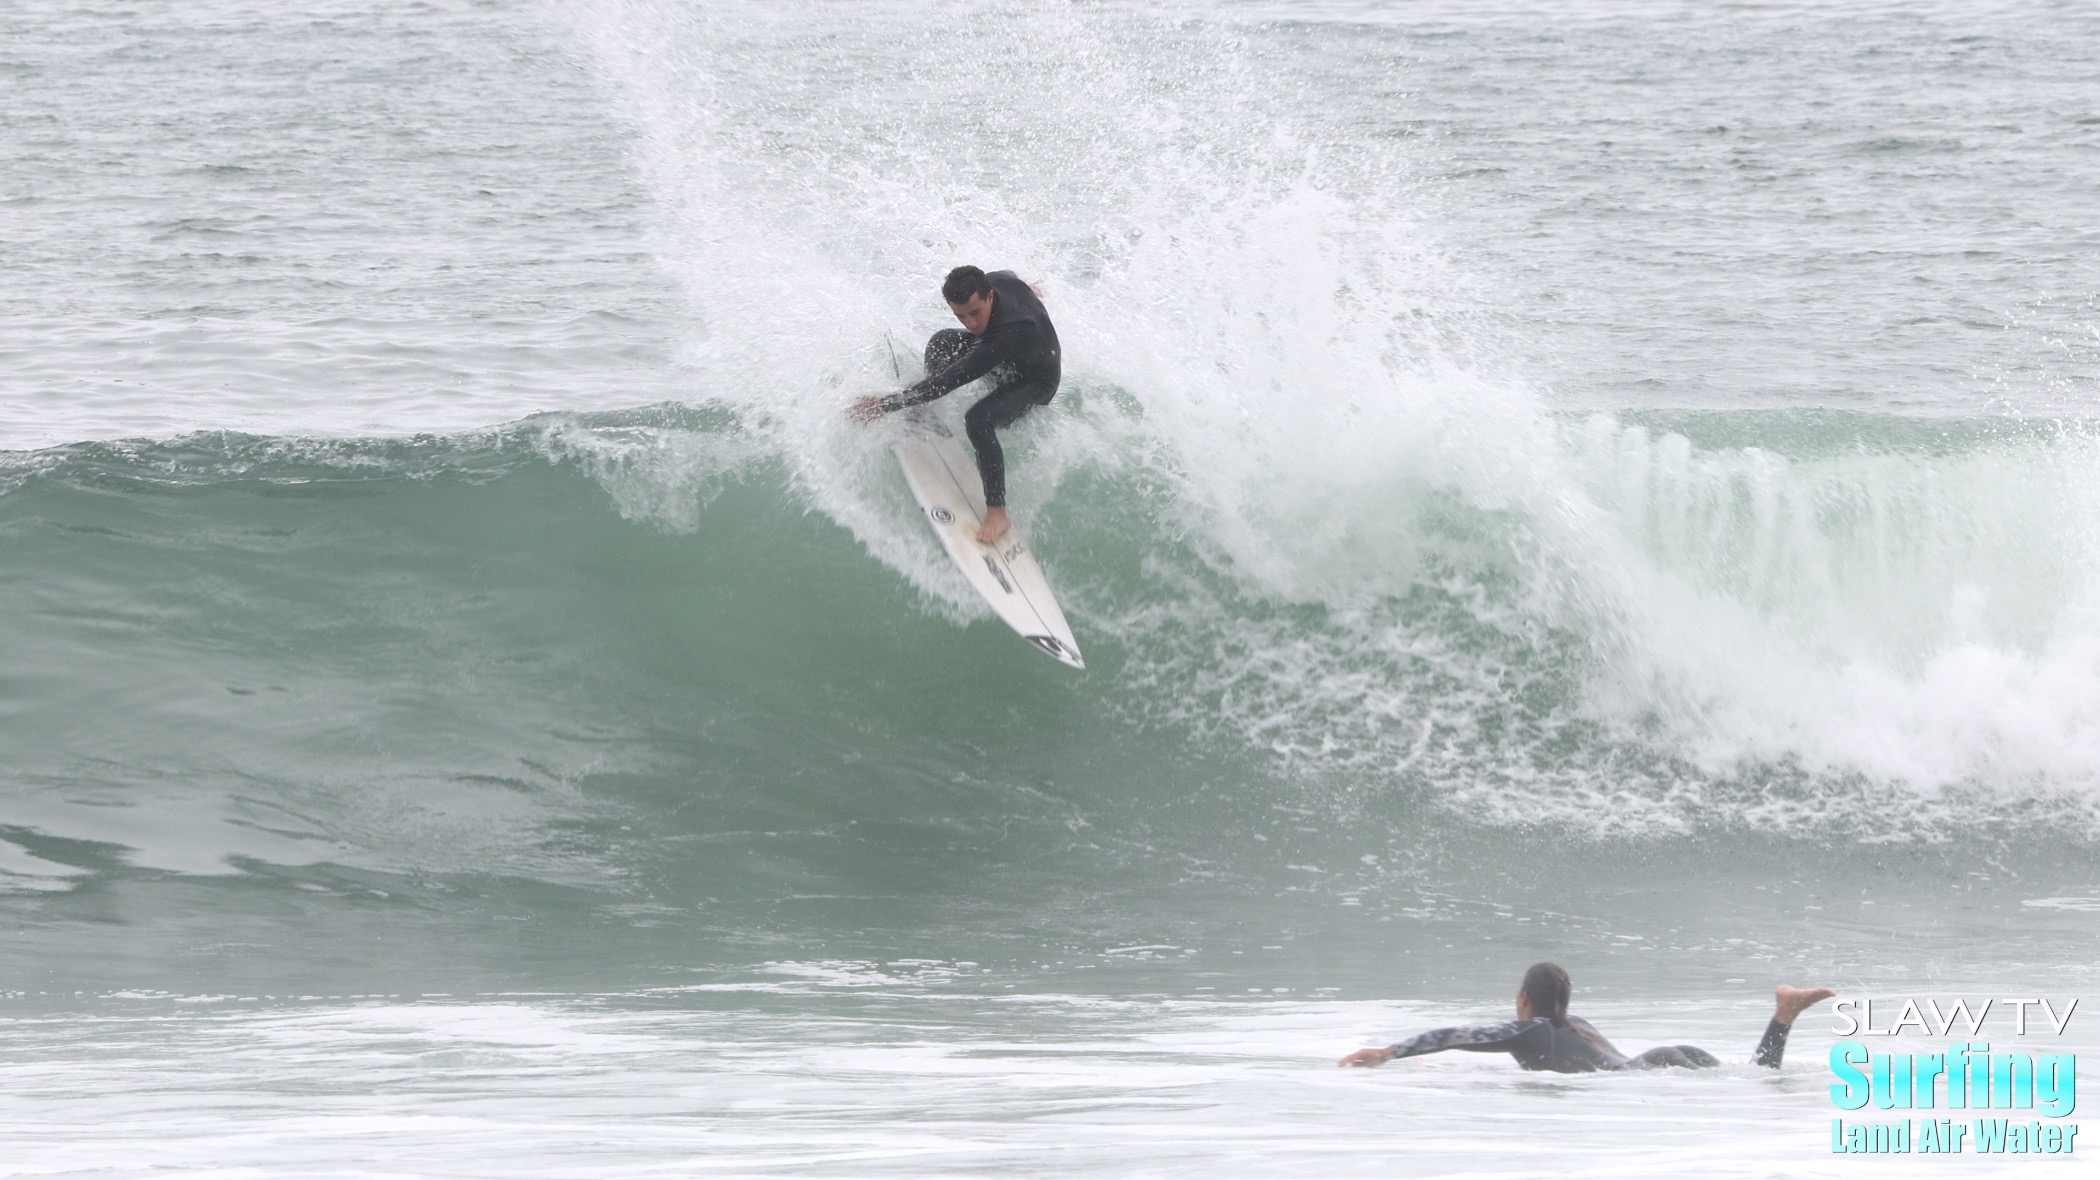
1576 1047
1019 346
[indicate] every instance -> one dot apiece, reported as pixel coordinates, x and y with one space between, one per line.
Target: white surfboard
943 478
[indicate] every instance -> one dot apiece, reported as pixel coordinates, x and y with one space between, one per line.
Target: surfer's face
974 312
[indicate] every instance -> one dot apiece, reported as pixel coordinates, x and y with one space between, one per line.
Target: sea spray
1385 555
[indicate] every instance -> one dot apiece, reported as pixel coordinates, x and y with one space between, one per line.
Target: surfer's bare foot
995 526
865 409
1793 1001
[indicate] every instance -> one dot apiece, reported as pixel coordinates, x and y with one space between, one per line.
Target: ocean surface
1614 483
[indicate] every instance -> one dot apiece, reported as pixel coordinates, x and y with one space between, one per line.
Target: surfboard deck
944 480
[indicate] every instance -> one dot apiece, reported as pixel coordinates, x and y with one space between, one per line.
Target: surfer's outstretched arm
1008 342
991 350
1476 1038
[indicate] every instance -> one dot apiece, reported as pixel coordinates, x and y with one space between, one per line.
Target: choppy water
1609 486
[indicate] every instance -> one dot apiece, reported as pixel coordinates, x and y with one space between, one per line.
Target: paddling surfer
1545 1037
1009 335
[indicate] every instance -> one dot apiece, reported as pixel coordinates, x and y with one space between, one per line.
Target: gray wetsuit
1574 1047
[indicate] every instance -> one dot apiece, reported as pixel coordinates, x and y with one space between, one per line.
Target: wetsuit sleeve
1474 1038
1002 344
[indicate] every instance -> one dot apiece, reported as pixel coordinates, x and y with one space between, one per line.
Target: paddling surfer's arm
1474 1038
998 346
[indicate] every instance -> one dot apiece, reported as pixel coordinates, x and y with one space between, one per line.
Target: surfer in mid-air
1010 336
1545 1037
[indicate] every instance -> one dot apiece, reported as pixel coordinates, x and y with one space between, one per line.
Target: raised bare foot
995 526
1793 1001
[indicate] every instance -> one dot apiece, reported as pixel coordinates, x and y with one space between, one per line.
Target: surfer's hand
865 409
1365 1058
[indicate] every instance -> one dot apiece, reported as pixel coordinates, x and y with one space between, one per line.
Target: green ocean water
461 710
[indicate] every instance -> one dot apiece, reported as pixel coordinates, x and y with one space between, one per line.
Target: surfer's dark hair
1548 989
965 283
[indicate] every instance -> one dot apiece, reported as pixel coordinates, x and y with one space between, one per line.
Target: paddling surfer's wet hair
1548 989
965 283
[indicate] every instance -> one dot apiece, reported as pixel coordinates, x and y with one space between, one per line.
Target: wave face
1385 620
614 661
1680 636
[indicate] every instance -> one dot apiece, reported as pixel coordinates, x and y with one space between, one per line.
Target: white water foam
1260 325
1923 618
